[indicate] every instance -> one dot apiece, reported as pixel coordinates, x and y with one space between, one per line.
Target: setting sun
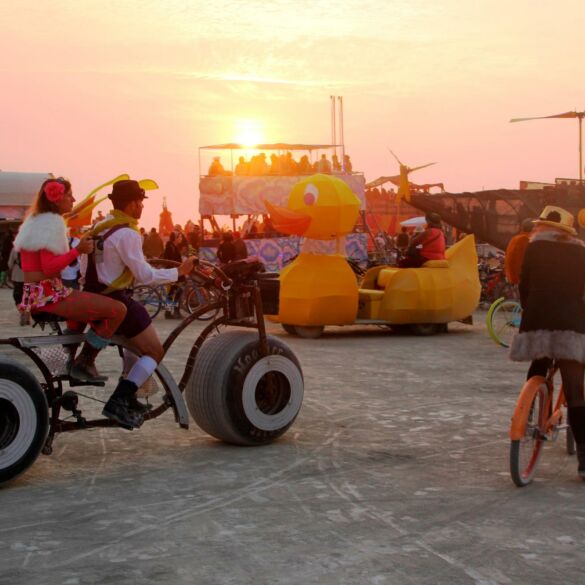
249 132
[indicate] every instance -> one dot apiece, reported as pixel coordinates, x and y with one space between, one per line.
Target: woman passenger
44 251
432 242
552 284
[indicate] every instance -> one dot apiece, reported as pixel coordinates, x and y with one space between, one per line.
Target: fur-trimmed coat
552 289
45 231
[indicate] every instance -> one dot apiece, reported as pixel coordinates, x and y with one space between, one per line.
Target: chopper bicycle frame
240 386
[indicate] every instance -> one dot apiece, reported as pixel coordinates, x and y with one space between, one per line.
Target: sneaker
85 372
120 410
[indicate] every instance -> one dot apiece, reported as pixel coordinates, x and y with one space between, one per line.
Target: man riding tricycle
240 386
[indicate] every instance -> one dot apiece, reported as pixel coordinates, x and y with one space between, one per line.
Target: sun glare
249 132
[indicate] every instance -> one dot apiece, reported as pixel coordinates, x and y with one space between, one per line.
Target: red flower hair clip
54 191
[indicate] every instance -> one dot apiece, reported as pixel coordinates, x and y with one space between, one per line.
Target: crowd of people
282 165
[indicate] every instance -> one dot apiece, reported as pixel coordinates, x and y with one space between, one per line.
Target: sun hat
126 191
557 217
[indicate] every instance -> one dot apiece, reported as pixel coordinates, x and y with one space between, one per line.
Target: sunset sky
91 89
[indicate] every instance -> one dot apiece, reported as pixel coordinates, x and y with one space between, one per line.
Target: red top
47 262
433 248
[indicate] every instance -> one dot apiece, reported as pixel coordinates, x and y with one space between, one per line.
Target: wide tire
238 396
525 453
24 419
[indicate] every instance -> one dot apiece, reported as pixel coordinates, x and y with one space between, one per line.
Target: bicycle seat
242 269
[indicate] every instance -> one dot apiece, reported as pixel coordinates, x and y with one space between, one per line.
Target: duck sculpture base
318 289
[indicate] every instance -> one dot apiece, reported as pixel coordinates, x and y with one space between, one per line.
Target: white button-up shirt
124 249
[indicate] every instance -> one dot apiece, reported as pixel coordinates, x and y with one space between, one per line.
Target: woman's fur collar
556 236
44 231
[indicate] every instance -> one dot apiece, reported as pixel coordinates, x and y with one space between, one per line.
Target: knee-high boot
576 415
121 407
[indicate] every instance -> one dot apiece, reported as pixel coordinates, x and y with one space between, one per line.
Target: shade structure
418 221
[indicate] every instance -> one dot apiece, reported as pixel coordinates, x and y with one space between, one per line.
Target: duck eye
311 193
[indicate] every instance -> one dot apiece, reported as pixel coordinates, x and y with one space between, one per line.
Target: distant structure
17 190
495 216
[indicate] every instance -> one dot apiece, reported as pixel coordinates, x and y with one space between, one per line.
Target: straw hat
557 217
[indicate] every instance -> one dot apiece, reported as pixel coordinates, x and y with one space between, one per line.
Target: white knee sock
129 359
142 370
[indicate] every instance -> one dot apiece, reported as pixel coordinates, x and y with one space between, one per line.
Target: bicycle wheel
197 297
525 452
503 320
149 298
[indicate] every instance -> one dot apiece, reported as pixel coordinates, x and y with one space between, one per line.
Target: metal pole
341 138
580 148
333 122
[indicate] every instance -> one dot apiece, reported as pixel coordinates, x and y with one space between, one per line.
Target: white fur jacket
45 231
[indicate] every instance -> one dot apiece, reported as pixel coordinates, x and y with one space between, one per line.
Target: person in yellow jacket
515 252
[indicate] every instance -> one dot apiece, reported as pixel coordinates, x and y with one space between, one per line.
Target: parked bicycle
178 300
503 320
242 387
538 418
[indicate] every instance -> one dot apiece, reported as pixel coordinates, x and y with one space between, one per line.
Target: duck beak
286 221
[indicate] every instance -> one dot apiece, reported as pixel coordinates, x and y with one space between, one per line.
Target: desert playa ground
395 473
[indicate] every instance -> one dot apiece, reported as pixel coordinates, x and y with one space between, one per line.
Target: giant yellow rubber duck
437 293
318 289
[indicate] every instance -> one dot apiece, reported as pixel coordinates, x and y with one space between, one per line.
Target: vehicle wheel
290 329
503 320
424 329
571 445
401 329
525 453
24 419
238 396
313 332
149 298
197 297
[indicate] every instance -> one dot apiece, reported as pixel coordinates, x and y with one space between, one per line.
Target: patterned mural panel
246 195
276 252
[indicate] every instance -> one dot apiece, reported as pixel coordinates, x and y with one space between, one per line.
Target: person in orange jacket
515 252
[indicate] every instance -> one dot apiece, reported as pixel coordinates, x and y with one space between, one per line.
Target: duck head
322 207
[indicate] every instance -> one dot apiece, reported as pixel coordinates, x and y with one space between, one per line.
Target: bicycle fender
179 406
522 409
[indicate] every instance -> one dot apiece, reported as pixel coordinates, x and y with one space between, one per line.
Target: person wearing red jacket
44 252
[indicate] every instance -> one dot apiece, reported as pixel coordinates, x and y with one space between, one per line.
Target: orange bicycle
538 417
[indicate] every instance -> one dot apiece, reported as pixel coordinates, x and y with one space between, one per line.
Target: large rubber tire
24 419
526 452
290 329
229 394
149 298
